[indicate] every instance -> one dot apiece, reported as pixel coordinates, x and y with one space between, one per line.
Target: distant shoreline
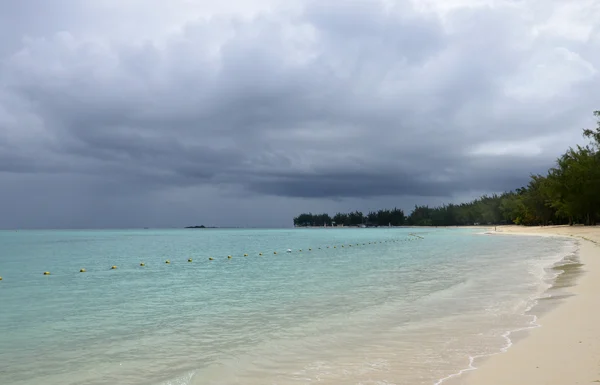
401 227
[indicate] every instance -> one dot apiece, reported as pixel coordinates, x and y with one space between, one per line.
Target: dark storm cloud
333 100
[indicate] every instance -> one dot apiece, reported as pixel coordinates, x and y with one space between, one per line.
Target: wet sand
565 349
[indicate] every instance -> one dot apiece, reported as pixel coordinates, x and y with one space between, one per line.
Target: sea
258 307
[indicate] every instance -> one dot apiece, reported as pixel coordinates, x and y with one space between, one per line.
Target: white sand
565 350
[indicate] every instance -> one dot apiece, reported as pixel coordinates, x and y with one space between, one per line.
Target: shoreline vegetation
569 193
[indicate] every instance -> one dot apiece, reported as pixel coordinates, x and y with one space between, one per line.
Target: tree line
393 217
568 193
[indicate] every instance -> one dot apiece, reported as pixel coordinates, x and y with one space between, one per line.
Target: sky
152 113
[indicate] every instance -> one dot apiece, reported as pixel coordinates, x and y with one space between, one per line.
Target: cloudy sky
130 113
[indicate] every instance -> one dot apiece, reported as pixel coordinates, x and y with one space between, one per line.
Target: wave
555 270
185 379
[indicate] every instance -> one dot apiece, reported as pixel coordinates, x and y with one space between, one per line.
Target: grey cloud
358 102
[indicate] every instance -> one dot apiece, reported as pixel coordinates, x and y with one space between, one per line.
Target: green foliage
304 220
568 193
393 217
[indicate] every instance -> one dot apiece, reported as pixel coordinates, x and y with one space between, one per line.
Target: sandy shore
565 350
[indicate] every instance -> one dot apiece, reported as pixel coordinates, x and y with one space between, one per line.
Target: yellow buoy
113 268
142 264
167 261
274 252
190 260
309 249
0 278
82 271
229 256
46 273
245 255
210 259
259 253
335 247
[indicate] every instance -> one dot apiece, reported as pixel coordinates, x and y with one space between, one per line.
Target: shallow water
387 308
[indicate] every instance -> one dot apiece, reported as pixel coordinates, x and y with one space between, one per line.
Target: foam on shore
563 348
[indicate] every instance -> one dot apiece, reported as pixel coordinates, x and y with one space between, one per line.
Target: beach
565 348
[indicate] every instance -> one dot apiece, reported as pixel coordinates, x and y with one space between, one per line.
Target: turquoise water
387 308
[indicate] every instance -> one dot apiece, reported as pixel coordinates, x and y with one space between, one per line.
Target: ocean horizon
232 306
